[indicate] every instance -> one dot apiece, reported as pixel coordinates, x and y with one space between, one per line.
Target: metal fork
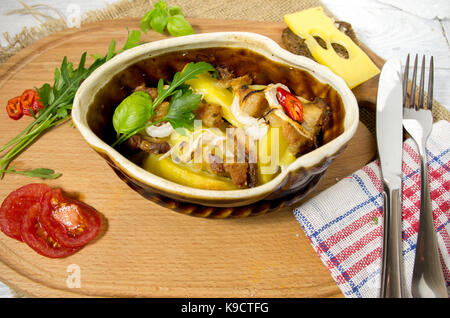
428 279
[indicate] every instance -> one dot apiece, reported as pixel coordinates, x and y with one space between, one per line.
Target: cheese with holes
310 23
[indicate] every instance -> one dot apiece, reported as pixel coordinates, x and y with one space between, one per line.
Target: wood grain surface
145 250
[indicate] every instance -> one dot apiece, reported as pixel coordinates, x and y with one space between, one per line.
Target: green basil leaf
133 112
159 20
145 22
174 10
161 5
178 26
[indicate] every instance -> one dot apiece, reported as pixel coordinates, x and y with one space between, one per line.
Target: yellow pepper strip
167 169
213 93
267 161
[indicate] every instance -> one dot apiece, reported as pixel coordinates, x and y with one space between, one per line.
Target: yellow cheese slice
355 70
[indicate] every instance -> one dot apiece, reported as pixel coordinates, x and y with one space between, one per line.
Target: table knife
389 132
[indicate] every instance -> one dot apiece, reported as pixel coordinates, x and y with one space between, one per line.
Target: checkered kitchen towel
345 223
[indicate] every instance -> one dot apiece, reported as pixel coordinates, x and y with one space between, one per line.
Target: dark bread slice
295 44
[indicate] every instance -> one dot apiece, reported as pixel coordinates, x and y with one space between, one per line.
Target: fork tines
412 97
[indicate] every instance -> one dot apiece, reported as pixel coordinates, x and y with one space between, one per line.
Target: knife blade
389 130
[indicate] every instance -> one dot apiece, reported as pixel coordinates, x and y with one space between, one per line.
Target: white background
391 28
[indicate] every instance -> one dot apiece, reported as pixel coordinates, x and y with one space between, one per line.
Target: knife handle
391 273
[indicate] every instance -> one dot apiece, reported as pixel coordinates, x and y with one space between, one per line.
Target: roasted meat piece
237 172
315 114
210 114
243 174
253 102
152 91
148 144
236 82
160 111
299 140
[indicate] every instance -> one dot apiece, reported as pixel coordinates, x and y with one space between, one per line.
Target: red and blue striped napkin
345 223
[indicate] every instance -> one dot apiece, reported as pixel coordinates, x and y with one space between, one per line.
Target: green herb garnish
162 16
133 40
181 110
180 113
132 112
57 100
43 173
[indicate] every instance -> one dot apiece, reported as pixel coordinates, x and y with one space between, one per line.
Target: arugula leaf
111 50
43 173
133 40
190 71
181 114
193 69
57 100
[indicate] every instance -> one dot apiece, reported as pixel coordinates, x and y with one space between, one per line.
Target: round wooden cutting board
145 250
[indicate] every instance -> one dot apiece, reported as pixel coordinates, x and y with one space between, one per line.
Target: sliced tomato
38 239
17 204
70 222
30 101
14 108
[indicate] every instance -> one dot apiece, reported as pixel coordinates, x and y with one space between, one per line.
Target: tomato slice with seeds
30 100
70 222
14 108
16 205
38 239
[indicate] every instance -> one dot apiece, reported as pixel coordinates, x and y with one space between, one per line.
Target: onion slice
254 127
271 95
159 131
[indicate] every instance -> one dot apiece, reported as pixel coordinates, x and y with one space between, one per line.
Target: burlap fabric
256 10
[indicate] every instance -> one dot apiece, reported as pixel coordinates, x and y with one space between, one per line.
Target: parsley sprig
180 113
57 100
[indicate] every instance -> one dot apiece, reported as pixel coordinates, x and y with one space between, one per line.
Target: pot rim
255 42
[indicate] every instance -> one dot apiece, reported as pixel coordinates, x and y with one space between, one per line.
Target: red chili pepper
14 108
292 106
30 100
